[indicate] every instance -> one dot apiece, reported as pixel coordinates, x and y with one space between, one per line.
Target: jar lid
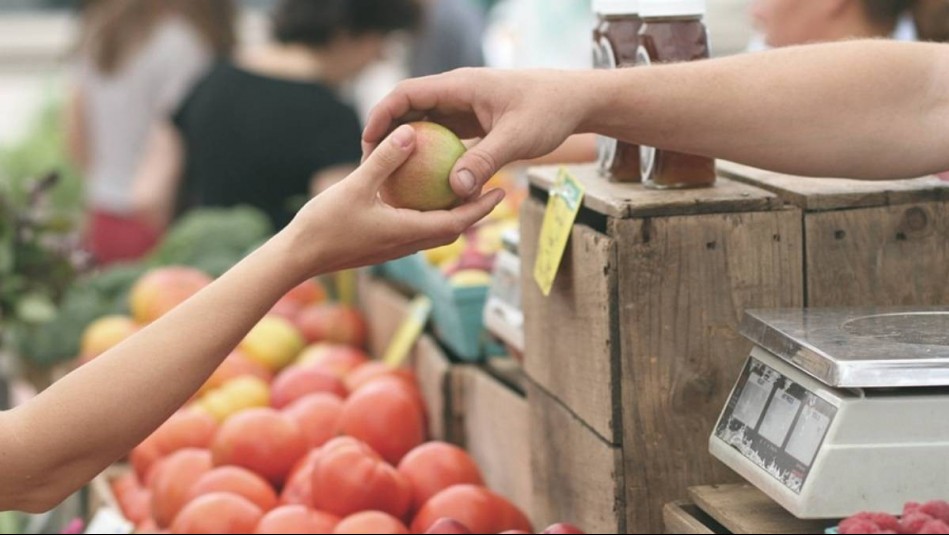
616 7
671 8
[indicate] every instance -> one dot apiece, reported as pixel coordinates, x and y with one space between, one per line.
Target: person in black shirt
264 128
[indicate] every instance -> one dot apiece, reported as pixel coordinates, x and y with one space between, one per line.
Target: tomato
373 370
435 466
308 292
301 380
239 481
235 365
134 500
476 507
318 417
162 289
337 324
218 512
349 477
172 482
186 428
385 415
297 519
261 440
144 457
339 359
370 522
299 487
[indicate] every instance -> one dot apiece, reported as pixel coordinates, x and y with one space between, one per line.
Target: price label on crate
564 203
409 331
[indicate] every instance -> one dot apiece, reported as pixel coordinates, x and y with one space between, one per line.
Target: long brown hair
114 30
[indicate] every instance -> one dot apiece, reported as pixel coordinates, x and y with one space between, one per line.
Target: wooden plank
684 517
820 194
569 342
634 200
744 509
497 436
578 478
887 256
684 284
385 309
508 371
433 370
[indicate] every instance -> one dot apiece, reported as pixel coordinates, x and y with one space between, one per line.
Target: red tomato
297 519
337 324
369 522
299 381
299 487
337 358
218 512
435 466
144 457
385 415
261 440
134 500
172 482
309 292
349 477
373 370
478 508
318 417
239 481
186 428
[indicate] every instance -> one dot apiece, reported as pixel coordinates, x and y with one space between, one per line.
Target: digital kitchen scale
841 411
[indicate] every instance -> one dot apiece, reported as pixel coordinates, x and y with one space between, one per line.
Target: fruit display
289 438
930 517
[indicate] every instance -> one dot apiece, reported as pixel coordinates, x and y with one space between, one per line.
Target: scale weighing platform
841 411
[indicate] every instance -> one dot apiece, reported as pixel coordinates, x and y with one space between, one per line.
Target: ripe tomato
435 466
299 381
144 457
297 519
337 324
318 417
479 509
349 477
239 481
339 359
134 500
218 512
261 440
369 522
187 428
385 415
373 370
235 365
172 482
299 487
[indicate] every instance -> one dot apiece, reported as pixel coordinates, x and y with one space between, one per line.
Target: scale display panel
775 423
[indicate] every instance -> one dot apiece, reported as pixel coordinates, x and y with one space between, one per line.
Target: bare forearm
94 416
863 109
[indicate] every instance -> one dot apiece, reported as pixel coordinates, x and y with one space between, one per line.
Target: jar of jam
616 45
673 31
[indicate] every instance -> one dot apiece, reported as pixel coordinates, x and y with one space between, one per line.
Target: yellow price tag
409 331
566 198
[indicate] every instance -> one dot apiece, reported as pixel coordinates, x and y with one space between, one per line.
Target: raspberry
914 521
937 509
935 526
857 525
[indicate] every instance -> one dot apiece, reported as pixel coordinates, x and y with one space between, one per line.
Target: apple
422 182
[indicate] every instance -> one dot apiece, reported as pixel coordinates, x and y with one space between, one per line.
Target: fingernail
403 136
466 180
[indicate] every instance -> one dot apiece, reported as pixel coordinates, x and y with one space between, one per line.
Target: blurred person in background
268 129
449 38
792 22
136 59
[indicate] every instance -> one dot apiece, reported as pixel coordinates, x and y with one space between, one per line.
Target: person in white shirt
136 61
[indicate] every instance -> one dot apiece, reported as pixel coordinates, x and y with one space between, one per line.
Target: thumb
388 156
481 162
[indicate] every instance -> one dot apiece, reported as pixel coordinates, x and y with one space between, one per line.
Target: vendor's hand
348 225
520 115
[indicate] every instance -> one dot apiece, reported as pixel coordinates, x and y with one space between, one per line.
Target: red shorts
114 238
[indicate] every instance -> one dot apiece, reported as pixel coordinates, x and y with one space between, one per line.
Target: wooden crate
495 431
385 309
578 477
867 243
737 508
638 339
